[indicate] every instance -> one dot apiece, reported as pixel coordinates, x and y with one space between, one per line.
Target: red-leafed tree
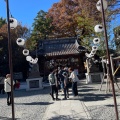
71 17
65 15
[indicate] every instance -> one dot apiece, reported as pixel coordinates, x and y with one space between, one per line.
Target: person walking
73 76
52 81
7 88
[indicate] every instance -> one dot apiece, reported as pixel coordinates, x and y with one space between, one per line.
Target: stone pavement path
70 109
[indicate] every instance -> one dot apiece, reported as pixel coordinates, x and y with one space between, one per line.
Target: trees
18 58
110 14
117 38
2 21
63 18
68 18
42 25
42 29
66 13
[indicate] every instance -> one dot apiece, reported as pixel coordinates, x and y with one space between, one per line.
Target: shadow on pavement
95 97
35 103
111 105
6 118
63 117
23 93
86 90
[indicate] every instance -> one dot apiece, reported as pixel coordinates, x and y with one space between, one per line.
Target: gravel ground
91 93
29 105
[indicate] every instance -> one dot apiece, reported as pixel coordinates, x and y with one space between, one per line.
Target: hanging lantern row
21 42
98 28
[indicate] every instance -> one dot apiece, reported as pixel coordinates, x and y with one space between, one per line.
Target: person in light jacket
7 88
73 76
53 83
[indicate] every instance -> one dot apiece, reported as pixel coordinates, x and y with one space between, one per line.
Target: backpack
52 78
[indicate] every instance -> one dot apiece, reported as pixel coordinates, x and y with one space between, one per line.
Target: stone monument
34 72
93 72
93 68
34 80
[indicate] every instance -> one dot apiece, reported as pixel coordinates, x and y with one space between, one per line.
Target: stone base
34 83
93 77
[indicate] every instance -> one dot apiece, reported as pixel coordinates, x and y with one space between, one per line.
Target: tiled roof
59 47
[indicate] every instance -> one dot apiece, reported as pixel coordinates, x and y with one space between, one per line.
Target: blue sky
25 10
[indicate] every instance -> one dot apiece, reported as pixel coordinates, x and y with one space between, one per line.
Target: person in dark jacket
66 91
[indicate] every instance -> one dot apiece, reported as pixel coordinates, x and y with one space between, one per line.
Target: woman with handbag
7 88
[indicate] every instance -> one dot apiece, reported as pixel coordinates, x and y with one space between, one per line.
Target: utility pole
109 62
10 59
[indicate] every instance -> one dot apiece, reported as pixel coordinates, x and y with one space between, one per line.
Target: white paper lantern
26 52
36 59
13 23
99 5
20 41
32 61
98 28
88 55
94 48
96 40
93 52
28 58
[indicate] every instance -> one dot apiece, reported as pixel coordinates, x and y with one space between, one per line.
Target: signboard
34 84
